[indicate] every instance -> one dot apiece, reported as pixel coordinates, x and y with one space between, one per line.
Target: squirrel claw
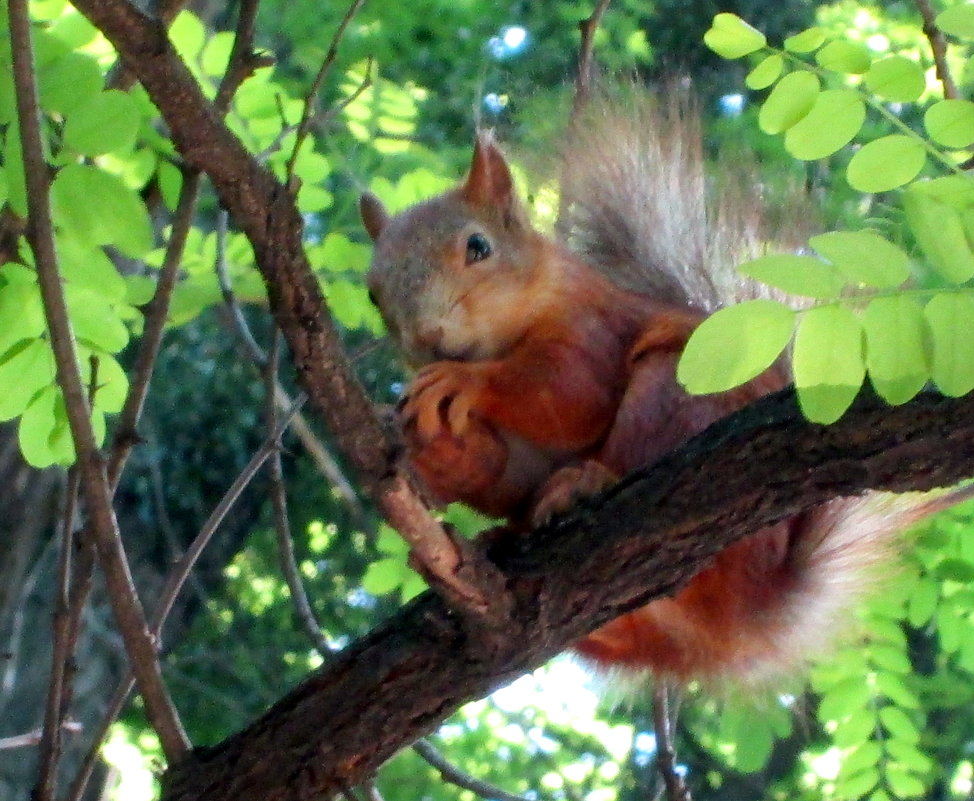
567 486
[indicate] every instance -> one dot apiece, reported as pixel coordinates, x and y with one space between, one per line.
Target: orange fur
543 378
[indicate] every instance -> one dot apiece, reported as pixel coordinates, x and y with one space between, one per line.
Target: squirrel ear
489 182
374 214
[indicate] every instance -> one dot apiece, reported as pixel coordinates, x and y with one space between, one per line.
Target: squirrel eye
478 248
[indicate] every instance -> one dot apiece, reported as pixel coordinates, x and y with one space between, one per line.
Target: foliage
885 718
869 311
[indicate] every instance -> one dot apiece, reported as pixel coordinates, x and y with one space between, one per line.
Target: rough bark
642 540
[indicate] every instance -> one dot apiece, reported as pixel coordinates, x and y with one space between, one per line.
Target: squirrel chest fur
541 379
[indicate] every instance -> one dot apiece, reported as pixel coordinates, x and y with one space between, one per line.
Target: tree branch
265 211
125 602
643 539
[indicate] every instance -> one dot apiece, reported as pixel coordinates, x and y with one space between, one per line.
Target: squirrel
547 370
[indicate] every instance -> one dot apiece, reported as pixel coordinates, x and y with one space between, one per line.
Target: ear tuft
489 182
374 214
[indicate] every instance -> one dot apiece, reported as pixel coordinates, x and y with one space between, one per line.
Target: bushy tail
639 205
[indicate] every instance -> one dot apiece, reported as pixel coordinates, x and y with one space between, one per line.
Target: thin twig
583 81
324 118
243 60
174 582
282 526
156 315
326 463
125 602
676 789
32 738
938 44
310 98
452 774
55 708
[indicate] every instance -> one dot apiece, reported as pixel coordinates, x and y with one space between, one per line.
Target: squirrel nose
430 338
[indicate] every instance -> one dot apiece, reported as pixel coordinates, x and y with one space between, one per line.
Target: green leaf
858 784
23 373
895 348
957 21
349 302
864 257
951 122
939 230
806 41
828 362
170 183
896 78
909 756
21 313
216 54
188 35
854 729
107 122
866 755
886 163
90 268
734 345
731 37
898 724
765 73
950 318
93 319
38 435
844 698
923 603
68 82
844 56
798 275
339 254
99 209
790 100
904 784
892 686
835 118
890 658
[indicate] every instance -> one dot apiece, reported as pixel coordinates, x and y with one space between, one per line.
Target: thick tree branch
265 211
644 539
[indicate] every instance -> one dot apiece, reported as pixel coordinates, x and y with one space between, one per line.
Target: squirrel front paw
441 399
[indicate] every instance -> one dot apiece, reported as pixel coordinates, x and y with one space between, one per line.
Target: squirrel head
450 275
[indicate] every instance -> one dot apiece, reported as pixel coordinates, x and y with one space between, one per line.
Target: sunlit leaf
950 317
790 100
828 362
898 724
864 257
895 349
886 163
844 56
99 209
940 232
797 275
106 122
23 373
951 122
735 345
806 41
957 21
835 118
765 73
896 78
731 37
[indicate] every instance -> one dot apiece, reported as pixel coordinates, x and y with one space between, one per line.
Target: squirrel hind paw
567 486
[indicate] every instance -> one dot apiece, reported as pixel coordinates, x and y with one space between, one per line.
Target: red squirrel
547 369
